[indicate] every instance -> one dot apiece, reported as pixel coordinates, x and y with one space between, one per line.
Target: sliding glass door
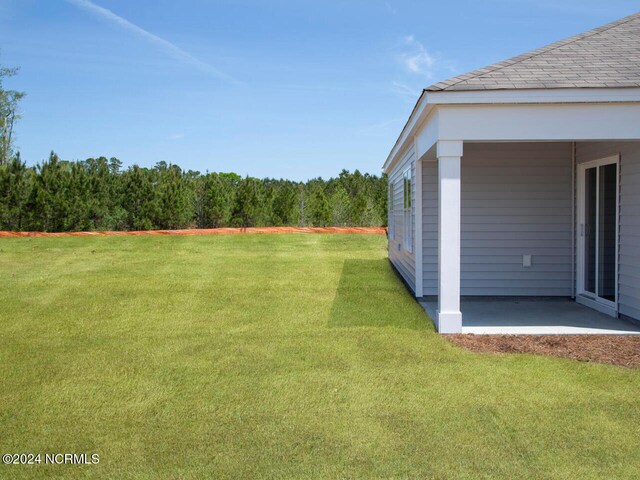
598 230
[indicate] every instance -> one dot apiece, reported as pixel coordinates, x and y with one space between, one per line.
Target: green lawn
280 356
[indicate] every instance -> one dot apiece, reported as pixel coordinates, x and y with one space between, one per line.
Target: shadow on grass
370 294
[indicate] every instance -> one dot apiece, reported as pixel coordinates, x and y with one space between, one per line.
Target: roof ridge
539 51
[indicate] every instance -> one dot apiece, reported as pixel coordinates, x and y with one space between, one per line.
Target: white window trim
407 208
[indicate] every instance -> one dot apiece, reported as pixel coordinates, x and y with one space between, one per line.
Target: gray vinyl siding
430 227
629 239
516 200
402 259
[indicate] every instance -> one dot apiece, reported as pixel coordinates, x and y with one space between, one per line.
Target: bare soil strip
206 231
623 350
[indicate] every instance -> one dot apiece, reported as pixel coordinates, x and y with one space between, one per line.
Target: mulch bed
623 350
207 231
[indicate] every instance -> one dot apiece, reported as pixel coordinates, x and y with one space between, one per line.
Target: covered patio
522 237
520 182
533 316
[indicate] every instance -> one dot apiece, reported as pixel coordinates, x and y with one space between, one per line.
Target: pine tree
175 201
320 209
340 207
139 198
15 185
284 204
78 200
49 199
246 203
217 199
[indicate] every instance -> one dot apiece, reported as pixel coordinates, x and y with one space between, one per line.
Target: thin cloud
176 136
416 59
380 128
164 45
406 90
390 8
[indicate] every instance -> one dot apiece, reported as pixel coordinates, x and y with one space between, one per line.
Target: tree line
99 194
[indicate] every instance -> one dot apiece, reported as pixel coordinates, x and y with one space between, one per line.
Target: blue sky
293 89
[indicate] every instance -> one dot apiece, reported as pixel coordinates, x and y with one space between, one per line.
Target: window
392 214
408 217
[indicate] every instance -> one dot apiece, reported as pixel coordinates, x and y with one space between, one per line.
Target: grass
298 356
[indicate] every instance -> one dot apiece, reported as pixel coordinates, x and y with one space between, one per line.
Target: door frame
582 296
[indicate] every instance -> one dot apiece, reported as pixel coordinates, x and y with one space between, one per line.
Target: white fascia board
557 95
433 101
419 113
427 132
544 122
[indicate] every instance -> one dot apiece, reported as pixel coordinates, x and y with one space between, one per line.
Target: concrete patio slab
534 317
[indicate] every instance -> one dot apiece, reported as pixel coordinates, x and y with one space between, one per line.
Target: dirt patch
208 231
621 350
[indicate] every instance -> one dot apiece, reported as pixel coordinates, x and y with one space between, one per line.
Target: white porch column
449 316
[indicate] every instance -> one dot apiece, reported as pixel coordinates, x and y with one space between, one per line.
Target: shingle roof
608 56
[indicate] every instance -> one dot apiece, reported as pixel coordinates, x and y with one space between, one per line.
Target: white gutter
548 95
